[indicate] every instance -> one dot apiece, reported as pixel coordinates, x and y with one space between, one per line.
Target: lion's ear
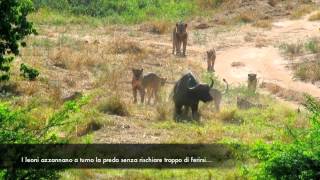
177 24
185 25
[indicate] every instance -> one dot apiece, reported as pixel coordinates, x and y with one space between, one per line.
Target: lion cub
211 58
152 83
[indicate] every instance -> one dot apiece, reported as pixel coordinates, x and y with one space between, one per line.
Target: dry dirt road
267 62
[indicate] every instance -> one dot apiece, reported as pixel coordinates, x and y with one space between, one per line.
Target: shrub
28 72
312 45
156 27
263 24
297 160
292 48
123 45
247 16
113 105
14 129
89 127
301 11
307 70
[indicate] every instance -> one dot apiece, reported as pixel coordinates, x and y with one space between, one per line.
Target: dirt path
266 62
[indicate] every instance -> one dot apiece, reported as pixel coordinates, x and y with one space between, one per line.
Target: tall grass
125 11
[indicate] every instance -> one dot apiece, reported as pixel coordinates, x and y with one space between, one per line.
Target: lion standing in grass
148 84
137 84
211 58
179 36
152 83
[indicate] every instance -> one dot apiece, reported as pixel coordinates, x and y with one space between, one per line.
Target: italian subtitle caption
172 161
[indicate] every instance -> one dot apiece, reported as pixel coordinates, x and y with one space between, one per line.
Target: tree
14 27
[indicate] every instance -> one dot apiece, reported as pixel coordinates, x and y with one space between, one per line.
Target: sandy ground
267 62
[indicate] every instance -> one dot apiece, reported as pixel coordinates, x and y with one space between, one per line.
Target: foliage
14 26
28 72
129 11
297 160
312 45
14 125
292 49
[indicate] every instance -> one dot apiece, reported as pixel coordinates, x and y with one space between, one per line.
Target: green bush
14 129
128 11
312 45
28 72
297 160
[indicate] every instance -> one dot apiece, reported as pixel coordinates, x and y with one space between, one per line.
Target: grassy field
90 49
101 70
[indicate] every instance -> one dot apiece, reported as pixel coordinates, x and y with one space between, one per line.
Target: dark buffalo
188 92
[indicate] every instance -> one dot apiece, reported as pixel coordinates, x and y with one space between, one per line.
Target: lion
217 95
137 84
148 84
243 103
152 83
211 58
179 36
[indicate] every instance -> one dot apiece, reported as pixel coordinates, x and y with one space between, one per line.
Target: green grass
154 174
312 45
230 125
115 12
266 125
46 16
